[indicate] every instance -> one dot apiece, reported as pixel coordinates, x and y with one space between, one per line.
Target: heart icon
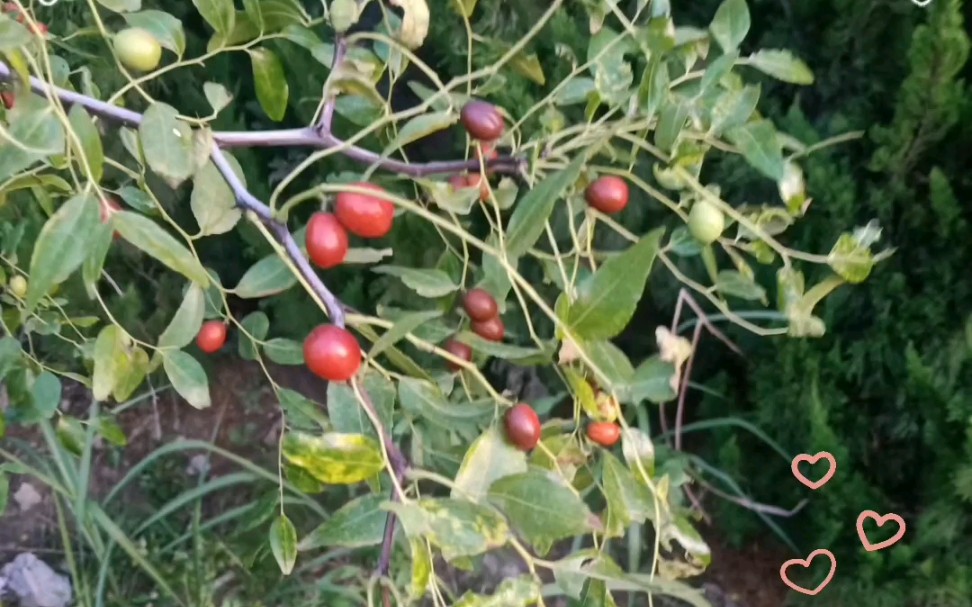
880 520
806 563
813 459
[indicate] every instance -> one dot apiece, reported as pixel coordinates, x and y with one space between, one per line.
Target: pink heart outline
806 563
813 459
880 520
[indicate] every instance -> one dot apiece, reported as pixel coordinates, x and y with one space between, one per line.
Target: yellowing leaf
457 527
415 22
489 457
334 458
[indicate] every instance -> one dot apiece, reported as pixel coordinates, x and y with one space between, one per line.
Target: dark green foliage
887 391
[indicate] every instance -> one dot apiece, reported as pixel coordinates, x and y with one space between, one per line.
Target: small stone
26 497
34 584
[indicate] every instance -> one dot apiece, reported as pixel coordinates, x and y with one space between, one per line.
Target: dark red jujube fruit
459 350
608 194
480 305
482 120
523 426
492 329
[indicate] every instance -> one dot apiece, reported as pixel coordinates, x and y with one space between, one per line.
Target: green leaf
167 144
283 543
731 282
612 362
518 354
760 146
146 235
425 399
133 367
46 394
421 569
219 14
419 127
34 133
541 507
671 119
253 327
582 391
358 523
533 210
272 89
12 34
62 245
301 36
70 433
217 96
782 65
607 299
121 6
627 501
334 458
734 108
186 322
4 483
87 135
284 351
166 29
301 413
188 378
490 457
404 325
269 276
730 24
639 452
426 282
109 429
212 201
10 354
347 414
457 527
651 381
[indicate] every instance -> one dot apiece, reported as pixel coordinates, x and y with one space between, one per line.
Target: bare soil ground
244 419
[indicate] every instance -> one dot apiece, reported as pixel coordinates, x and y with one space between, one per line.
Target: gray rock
32 583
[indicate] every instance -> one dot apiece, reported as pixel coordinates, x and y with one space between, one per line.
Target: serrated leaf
188 378
213 202
356 524
760 146
334 458
782 65
540 507
167 144
89 138
185 324
457 527
146 235
269 276
607 299
219 14
426 282
166 29
489 457
730 24
531 213
62 245
270 79
421 126
283 543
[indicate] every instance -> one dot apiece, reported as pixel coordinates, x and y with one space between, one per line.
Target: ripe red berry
605 434
459 182
212 336
482 120
332 353
327 241
476 180
8 99
363 215
523 426
608 194
492 329
459 350
480 305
